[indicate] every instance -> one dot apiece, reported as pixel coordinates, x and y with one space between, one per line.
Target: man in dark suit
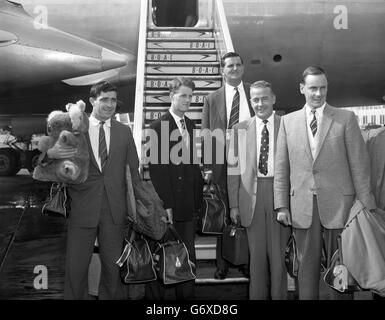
176 176
250 189
321 167
222 109
98 206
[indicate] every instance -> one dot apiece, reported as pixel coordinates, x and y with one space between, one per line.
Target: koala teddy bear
65 129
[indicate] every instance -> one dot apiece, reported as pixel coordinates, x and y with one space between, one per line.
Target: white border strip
140 66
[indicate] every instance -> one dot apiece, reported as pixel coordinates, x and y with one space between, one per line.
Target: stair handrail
222 35
140 71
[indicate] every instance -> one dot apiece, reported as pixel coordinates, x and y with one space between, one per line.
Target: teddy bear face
57 124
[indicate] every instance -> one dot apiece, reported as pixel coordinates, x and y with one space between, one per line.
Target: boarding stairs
163 54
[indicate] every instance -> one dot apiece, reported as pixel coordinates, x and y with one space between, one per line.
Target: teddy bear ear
68 106
81 105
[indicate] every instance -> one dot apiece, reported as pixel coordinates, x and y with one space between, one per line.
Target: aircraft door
175 13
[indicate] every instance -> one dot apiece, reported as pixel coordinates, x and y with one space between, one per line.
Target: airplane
51 51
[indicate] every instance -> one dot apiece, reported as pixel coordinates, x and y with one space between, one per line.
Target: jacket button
180 178
315 171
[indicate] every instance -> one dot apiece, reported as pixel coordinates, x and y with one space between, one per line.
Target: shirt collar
319 111
270 120
95 122
231 88
175 116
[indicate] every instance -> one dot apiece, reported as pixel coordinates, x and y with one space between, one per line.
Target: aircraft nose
111 60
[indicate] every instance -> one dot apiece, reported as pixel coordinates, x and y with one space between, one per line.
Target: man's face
315 90
181 99
233 70
262 101
104 105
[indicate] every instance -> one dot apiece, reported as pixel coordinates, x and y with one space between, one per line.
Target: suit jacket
215 117
338 174
178 185
376 149
86 198
241 185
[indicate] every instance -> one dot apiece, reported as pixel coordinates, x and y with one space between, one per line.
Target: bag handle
173 231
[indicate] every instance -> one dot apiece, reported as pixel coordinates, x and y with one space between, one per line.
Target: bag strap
130 191
173 231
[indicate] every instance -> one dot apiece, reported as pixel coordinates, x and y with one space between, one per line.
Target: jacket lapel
92 157
327 120
303 138
221 107
251 146
113 140
277 122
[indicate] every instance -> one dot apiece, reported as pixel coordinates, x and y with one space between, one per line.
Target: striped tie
102 146
234 114
313 123
185 134
264 150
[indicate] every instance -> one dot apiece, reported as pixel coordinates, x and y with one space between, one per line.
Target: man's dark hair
104 86
229 55
313 71
177 82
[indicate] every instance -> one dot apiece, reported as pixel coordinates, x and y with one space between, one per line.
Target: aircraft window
277 58
174 13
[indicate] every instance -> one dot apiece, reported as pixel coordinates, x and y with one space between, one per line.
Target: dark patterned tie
264 151
313 123
234 114
102 146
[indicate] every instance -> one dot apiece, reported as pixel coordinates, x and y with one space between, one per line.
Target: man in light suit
98 206
376 148
321 166
176 176
221 110
250 189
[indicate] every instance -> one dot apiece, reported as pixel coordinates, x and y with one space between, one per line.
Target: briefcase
235 247
214 211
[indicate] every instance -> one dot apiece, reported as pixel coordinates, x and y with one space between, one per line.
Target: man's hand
234 215
379 211
169 218
283 216
60 152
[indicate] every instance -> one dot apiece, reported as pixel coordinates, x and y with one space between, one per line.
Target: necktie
185 134
313 123
264 151
102 146
234 114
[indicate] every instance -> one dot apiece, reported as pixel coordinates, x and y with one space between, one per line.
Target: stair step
201 82
180 33
201 68
166 55
163 97
175 43
205 247
154 113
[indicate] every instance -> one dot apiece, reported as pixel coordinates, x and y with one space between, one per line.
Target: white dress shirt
270 160
185 135
244 112
309 117
93 132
